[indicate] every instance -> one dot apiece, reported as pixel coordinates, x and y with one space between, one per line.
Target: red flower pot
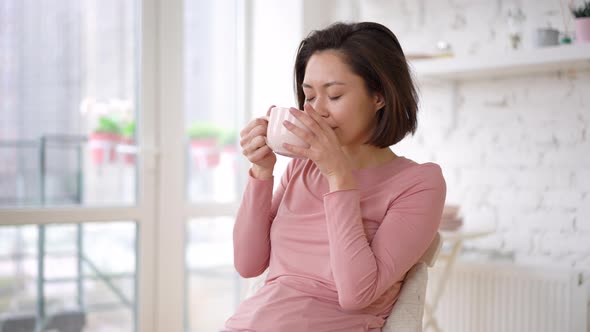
231 152
127 149
205 153
102 147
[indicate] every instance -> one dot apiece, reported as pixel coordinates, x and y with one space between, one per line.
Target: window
114 211
68 103
52 274
68 111
212 117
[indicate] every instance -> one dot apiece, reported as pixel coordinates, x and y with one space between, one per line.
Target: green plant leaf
200 130
128 129
107 124
582 11
228 137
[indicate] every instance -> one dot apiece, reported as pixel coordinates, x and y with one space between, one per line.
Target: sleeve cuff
252 178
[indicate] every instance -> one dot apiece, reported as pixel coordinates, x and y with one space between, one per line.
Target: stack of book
451 219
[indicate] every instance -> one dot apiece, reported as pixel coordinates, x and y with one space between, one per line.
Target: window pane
213 285
74 274
67 102
210 100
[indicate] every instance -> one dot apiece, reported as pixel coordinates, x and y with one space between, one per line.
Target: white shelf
542 60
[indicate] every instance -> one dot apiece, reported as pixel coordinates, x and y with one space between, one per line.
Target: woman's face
341 97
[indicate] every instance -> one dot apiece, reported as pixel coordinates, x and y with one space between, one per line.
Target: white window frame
162 210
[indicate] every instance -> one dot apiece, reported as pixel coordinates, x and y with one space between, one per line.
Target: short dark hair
373 52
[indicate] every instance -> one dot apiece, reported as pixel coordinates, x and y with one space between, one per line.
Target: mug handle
267 118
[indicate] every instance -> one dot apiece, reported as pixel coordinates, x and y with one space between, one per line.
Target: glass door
119 163
70 208
214 111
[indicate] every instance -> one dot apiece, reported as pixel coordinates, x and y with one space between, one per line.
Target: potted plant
582 15
127 142
203 144
227 140
103 138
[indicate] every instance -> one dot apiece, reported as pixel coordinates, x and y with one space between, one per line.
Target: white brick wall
515 151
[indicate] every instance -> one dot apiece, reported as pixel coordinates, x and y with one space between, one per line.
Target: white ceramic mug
277 134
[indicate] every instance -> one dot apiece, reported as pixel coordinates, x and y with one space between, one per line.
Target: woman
349 217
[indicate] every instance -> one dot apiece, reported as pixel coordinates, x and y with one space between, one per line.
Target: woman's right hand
254 147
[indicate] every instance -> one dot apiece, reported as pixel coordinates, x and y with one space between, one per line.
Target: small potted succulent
204 144
582 14
103 139
127 142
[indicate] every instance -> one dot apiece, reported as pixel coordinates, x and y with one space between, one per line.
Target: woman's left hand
324 148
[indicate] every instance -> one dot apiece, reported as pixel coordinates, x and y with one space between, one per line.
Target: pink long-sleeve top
337 259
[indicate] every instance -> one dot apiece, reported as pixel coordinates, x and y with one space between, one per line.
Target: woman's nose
320 108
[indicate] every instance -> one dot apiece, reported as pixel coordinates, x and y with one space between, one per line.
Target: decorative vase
583 30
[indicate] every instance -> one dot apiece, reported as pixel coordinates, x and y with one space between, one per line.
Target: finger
256 143
307 121
251 125
317 117
297 150
305 135
260 154
259 130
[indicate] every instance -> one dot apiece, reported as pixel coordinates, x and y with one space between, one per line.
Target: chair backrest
406 314
431 254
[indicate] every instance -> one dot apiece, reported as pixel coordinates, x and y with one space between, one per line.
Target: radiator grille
505 298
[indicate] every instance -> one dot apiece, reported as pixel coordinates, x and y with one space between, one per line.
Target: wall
515 151
276 33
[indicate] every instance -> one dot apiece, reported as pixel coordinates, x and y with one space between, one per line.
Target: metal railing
76 143
41 146
39 149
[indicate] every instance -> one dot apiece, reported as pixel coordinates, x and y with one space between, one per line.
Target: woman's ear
379 101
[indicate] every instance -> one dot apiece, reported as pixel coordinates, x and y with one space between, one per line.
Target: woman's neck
367 156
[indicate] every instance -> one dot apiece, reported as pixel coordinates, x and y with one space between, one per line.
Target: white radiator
511 298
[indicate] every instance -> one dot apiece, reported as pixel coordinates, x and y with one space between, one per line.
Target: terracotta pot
205 153
582 30
102 147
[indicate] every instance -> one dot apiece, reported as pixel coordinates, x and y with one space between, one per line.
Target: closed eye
335 98
309 99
